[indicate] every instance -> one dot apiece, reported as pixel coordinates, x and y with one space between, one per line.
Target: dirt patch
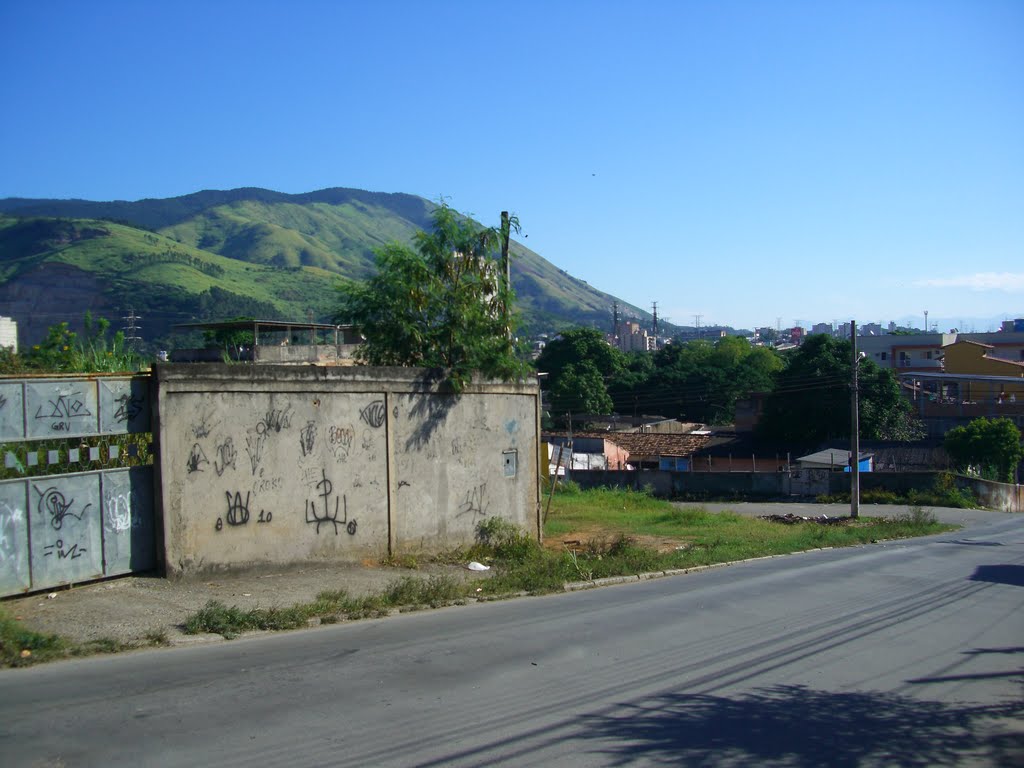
587 538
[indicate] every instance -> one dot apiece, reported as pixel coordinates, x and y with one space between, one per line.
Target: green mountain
219 254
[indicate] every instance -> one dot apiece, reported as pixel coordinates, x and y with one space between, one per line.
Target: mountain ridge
292 249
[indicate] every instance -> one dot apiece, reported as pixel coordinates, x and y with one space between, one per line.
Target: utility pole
655 326
615 319
926 321
506 270
854 428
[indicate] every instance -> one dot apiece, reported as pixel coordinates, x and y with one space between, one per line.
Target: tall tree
810 402
439 304
579 365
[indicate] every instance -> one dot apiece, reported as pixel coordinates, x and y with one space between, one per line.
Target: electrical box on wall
511 460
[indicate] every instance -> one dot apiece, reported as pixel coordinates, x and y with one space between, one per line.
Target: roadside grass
22 647
329 606
619 521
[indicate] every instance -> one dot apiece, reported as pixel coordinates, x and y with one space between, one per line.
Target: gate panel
14 565
64 529
128 524
62 526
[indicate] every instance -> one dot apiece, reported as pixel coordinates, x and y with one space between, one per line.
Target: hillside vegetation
219 254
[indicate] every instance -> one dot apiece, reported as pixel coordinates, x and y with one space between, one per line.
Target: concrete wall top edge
220 376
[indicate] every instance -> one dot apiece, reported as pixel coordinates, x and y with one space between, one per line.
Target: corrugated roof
649 445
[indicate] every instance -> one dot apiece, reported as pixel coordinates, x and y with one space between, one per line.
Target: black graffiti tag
128 407
53 503
238 510
307 437
373 414
314 517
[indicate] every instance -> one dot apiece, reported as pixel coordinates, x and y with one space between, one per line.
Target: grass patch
20 647
23 647
328 607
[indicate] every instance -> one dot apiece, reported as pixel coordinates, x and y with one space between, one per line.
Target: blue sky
749 162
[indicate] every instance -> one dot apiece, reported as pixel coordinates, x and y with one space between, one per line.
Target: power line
131 331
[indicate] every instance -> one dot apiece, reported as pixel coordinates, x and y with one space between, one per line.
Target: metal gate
76 498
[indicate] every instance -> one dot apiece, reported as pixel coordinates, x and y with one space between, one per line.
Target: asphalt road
901 653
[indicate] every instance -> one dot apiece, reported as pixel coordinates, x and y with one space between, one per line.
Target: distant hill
219 254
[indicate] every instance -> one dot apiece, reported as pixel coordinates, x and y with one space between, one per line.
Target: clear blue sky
744 161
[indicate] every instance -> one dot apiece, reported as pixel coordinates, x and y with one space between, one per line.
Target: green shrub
503 540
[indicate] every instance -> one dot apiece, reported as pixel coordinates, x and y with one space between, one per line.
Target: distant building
871 329
9 333
822 328
913 352
633 338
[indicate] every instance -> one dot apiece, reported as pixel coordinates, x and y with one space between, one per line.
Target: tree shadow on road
1000 574
793 725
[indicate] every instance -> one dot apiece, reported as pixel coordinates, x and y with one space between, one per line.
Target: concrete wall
1002 496
768 485
284 464
668 484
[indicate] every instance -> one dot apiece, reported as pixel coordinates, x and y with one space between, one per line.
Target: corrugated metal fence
76 501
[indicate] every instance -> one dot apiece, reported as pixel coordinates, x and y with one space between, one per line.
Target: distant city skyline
735 160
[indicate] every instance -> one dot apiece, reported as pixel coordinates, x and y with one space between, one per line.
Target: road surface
900 653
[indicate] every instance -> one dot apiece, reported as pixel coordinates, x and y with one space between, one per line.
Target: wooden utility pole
506 271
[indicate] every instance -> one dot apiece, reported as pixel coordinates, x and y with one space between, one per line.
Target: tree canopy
696 381
439 304
991 445
810 401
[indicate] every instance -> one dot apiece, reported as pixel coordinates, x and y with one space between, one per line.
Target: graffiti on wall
128 407
225 456
317 516
54 504
475 502
196 459
374 414
61 412
307 438
10 545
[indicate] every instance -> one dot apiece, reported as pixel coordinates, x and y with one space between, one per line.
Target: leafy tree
993 445
580 389
579 364
440 304
701 381
810 402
